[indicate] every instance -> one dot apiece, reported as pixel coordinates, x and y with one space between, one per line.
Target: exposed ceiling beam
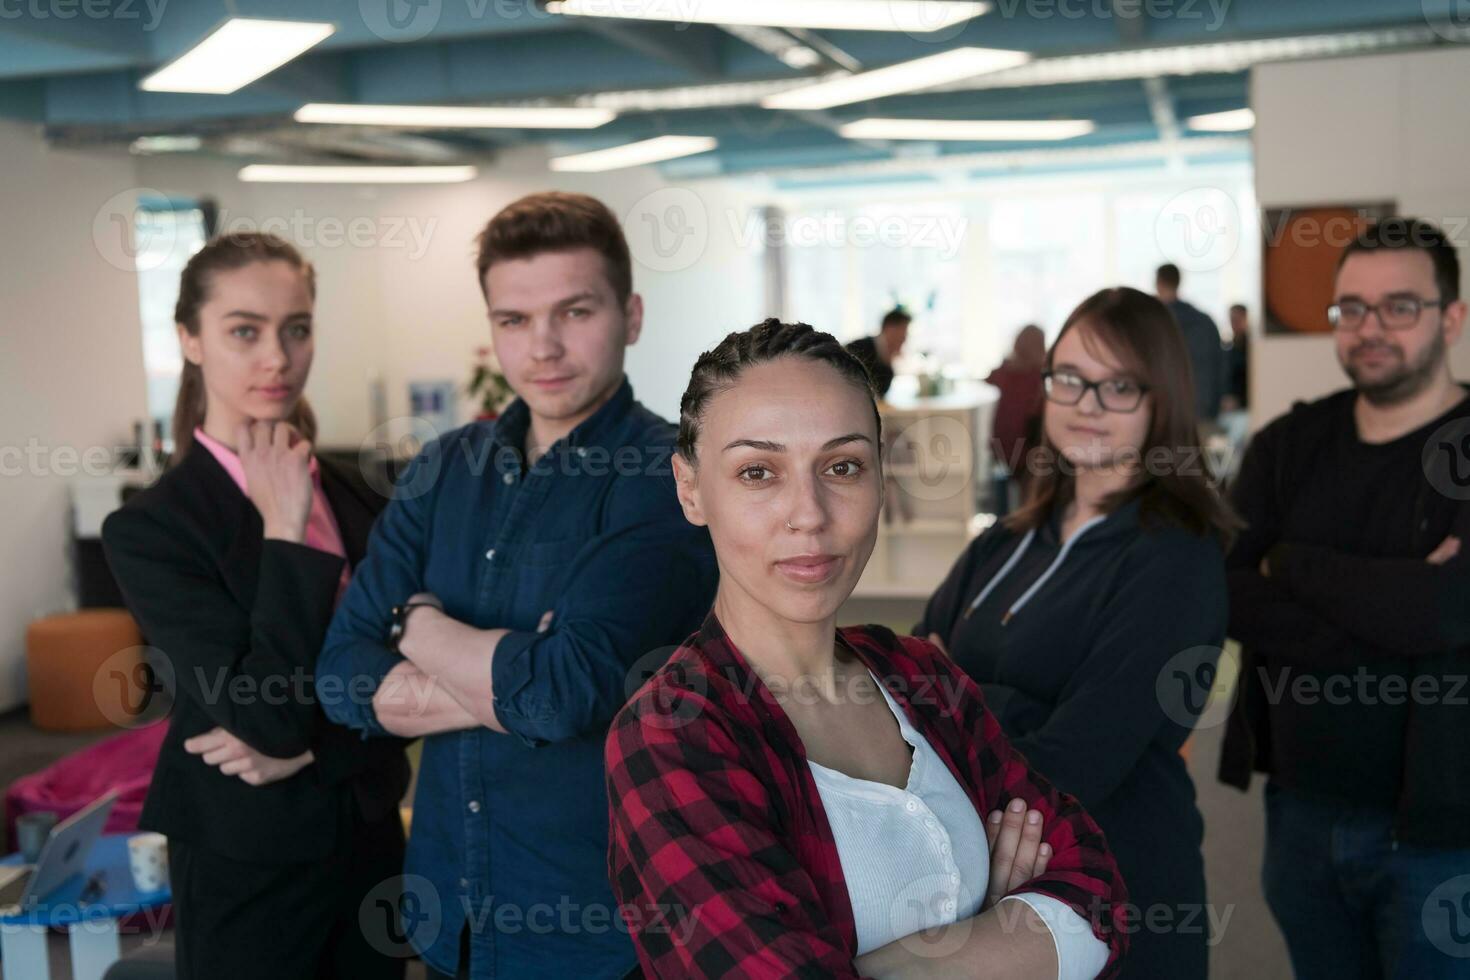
693 48
1166 121
115 35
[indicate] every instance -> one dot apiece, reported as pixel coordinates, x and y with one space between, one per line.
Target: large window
980 262
166 233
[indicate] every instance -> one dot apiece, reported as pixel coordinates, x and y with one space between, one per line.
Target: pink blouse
322 532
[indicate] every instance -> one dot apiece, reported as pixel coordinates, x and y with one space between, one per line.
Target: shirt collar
230 460
597 429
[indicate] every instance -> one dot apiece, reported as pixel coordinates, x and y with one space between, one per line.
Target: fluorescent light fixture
909 16
1221 57
634 154
165 144
238 52
270 173
1232 121
973 130
456 117
908 76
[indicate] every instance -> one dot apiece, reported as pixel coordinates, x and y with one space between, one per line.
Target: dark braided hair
719 369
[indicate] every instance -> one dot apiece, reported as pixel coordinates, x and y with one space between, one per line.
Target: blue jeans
1353 903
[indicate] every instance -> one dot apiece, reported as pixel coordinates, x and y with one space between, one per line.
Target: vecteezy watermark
836 229
1309 229
675 702
1194 686
40 460
150 12
401 915
668 230
1129 918
671 229
1363 686
416 439
128 236
125 239
683 688
1449 19
1199 229
926 901
410 233
406 914
1446 917
412 20
130 687
930 459
1446 459
1213 12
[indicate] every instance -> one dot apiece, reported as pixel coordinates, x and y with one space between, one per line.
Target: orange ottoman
64 655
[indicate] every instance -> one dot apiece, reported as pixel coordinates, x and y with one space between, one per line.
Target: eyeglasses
1113 394
1395 313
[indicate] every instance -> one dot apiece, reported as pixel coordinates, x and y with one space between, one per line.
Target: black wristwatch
400 620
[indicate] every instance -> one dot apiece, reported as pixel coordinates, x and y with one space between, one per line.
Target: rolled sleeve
519 705
650 575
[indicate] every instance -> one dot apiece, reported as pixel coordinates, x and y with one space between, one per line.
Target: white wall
71 364
1357 130
398 300
397 293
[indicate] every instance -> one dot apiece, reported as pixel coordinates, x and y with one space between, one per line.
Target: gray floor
1248 948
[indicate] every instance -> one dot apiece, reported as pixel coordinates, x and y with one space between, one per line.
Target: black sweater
1083 679
1351 618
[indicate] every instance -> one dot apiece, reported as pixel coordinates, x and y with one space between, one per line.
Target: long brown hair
1177 486
230 251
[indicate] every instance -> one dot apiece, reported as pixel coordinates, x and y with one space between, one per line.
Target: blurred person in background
879 352
1013 428
1202 340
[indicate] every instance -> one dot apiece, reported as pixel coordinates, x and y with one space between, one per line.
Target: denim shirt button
474 806
509 478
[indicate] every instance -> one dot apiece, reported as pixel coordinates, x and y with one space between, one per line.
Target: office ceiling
1138 69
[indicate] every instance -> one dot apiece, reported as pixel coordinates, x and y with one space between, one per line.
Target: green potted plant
488 385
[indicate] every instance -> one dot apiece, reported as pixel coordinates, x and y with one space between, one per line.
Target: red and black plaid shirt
721 856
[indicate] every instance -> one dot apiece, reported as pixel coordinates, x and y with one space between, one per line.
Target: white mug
148 860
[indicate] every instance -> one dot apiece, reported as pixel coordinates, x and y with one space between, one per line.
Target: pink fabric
124 762
322 532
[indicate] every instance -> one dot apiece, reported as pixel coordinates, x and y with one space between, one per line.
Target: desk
91 928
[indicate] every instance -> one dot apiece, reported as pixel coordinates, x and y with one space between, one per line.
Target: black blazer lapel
230 522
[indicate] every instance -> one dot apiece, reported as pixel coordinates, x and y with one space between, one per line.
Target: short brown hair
557 221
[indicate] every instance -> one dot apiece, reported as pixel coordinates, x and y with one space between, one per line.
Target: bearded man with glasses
1351 599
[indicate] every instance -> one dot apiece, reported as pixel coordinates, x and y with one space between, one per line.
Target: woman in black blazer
283 828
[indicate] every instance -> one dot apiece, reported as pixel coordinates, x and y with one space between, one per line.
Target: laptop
65 854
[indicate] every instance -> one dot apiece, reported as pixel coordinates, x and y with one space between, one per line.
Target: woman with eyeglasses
1093 616
791 799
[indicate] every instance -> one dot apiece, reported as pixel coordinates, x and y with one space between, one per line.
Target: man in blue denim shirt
553 540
